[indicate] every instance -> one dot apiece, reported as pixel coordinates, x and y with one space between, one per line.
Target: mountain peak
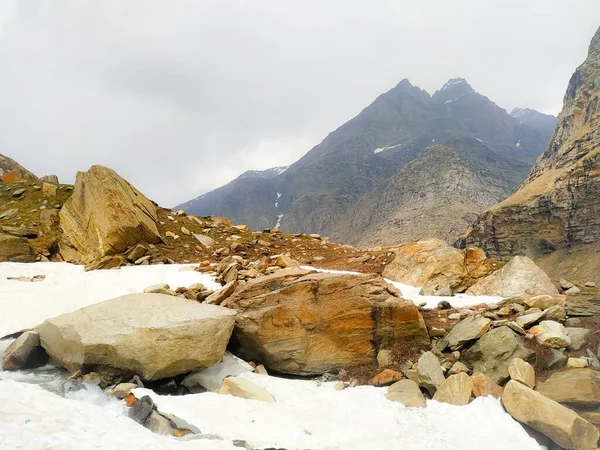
457 84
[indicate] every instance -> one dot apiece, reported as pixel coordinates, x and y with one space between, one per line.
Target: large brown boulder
151 335
434 264
105 215
562 425
521 276
307 323
574 387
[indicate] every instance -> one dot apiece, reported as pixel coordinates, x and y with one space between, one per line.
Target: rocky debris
531 317
551 333
433 264
24 353
520 276
455 390
212 378
458 367
584 305
406 392
218 297
574 387
244 388
16 249
161 288
159 336
9 214
306 323
137 252
483 386
105 215
522 372
562 425
385 377
466 331
53 179
577 336
493 353
122 390
429 372
544 301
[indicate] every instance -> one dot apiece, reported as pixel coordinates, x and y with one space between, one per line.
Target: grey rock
158 424
493 353
137 252
19 193
466 331
141 409
205 241
583 304
444 305
9 214
577 336
24 353
565 284
573 290
531 317
443 292
590 284
429 372
122 390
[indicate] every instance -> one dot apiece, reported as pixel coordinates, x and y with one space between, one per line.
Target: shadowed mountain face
555 213
338 188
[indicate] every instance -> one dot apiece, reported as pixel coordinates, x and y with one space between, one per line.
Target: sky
180 97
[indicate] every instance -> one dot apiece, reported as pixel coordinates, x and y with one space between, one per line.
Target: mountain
8 165
555 214
330 189
533 118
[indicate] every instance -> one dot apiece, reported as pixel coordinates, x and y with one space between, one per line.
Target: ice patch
452 83
518 144
387 147
279 217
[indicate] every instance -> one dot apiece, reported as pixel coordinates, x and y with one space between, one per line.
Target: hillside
325 191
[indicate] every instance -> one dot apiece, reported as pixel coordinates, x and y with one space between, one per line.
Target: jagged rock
493 352
50 179
573 290
141 409
205 241
533 316
406 392
562 425
556 312
575 387
105 215
466 331
551 333
577 336
217 297
49 190
285 262
521 276
152 335
24 353
432 263
307 323
522 372
244 388
483 386
544 301
429 372
456 390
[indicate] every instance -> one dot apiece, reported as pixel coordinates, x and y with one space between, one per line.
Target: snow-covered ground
41 409
430 301
67 288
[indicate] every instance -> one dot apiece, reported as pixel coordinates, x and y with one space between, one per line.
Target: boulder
522 372
406 392
16 249
577 336
520 276
483 386
551 333
205 241
429 372
583 304
431 263
305 323
24 353
106 215
456 390
493 353
385 377
49 190
544 301
53 179
466 331
575 387
151 335
13 176
562 425
244 388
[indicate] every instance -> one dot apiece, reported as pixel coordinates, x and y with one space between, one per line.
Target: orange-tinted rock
483 386
307 323
386 376
130 400
14 176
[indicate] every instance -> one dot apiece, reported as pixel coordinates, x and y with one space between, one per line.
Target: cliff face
557 207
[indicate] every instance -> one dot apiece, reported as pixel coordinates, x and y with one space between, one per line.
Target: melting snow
387 147
518 144
279 217
451 83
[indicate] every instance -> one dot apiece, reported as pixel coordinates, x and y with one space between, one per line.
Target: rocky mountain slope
555 215
331 189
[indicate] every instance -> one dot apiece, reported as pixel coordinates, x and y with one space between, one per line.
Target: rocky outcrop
105 215
153 336
521 276
563 426
557 206
434 264
15 249
19 173
306 323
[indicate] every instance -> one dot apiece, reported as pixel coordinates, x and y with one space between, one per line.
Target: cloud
180 97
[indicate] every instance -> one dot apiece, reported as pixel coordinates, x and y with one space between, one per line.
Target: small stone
122 390
406 392
532 316
458 367
384 358
444 292
552 334
577 363
137 252
590 284
454 316
573 290
185 231
522 371
444 305
244 388
483 386
385 377
437 332
141 409
339 386
578 337
456 390
543 301
161 288
466 331
565 284
261 370
426 291
19 193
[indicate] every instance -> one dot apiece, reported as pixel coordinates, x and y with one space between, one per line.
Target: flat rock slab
576 387
583 304
151 335
467 330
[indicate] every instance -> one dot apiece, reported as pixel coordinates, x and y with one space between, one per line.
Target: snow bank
431 301
307 415
32 418
67 288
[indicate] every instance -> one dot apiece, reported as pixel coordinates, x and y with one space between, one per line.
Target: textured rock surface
456 390
406 392
557 206
305 323
521 276
15 249
493 353
562 425
24 353
106 215
429 372
483 386
467 330
551 333
436 265
576 387
10 165
522 371
151 335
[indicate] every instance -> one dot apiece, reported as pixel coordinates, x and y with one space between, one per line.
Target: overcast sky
181 96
